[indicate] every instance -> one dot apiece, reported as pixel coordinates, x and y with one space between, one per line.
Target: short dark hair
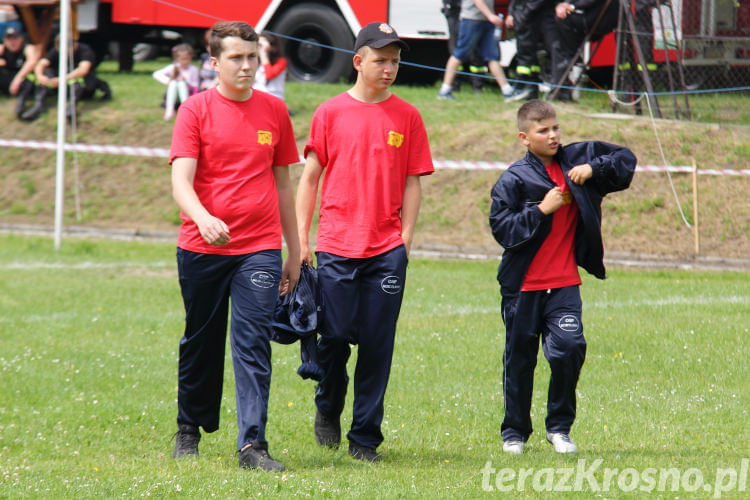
534 111
224 29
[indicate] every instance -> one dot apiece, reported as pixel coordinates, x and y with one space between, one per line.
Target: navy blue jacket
521 228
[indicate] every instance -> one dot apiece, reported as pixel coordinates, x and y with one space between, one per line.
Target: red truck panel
368 11
148 12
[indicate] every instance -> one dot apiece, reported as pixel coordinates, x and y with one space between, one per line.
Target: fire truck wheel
315 27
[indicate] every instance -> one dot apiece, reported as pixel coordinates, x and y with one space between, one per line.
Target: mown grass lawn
88 360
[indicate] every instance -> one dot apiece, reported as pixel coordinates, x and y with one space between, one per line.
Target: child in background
180 77
271 73
208 76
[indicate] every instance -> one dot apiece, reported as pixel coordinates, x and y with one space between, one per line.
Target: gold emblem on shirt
567 198
265 137
395 139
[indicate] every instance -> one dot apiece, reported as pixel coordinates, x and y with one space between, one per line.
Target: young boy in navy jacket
546 214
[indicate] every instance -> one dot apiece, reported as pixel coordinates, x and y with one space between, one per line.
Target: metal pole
667 62
642 61
696 234
62 93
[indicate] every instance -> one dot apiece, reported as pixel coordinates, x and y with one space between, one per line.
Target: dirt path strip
436 251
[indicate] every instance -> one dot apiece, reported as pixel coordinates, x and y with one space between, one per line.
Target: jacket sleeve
586 4
514 220
612 166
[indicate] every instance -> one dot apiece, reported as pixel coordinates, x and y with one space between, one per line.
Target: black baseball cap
377 36
12 31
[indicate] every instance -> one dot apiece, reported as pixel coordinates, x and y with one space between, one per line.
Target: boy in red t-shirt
546 213
230 156
373 147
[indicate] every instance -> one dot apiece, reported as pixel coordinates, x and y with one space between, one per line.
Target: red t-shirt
554 265
367 150
237 144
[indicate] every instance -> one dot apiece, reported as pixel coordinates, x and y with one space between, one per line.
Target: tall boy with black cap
373 147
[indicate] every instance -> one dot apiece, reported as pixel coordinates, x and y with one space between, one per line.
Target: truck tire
307 62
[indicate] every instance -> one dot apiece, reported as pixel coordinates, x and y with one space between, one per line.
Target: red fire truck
311 25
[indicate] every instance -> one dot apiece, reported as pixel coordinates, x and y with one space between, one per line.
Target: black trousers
207 282
555 316
540 26
362 301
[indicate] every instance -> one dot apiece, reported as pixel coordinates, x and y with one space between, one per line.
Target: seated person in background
271 74
82 79
181 78
17 60
209 78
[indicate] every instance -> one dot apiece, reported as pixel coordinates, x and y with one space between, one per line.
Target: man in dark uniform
533 20
574 22
17 60
82 79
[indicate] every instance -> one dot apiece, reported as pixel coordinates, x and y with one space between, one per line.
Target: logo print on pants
569 323
262 279
391 284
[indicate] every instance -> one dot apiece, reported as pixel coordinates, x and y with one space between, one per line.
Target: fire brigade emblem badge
265 137
395 139
391 285
385 28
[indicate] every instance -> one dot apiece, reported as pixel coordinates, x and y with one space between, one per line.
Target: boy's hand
552 201
214 231
305 254
290 272
581 173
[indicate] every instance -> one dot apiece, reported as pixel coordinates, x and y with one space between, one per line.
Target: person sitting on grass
82 80
181 78
17 61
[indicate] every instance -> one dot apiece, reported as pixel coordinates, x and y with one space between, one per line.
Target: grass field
88 360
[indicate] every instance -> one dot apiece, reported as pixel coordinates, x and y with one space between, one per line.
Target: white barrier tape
88 148
439 164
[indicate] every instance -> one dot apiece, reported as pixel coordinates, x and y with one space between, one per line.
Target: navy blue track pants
362 301
555 315
207 283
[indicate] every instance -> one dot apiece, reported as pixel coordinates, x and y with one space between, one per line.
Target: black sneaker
363 453
186 441
327 430
256 456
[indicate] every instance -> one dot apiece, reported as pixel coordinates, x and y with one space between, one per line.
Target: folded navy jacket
296 317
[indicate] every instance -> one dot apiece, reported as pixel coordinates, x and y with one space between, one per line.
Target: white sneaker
562 442
514 446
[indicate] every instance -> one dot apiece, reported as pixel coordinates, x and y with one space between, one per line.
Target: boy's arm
612 167
410 209
213 230
290 271
514 219
307 192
